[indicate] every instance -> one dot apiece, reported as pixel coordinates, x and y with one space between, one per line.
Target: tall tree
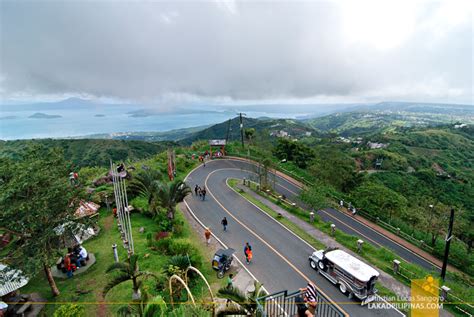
379 200
35 200
333 166
249 134
437 218
316 196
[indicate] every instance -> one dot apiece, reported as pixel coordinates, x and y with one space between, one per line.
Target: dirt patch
101 307
108 222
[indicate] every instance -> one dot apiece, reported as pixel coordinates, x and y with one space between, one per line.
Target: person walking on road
207 235
196 190
247 251
249 256
224 223
203 192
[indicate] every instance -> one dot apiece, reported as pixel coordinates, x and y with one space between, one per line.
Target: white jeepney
354 277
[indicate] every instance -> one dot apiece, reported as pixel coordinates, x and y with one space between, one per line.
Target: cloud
229 50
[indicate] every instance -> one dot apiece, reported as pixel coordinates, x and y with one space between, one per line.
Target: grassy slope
95 278
90 152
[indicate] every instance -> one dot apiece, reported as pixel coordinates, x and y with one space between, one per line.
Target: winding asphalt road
280 259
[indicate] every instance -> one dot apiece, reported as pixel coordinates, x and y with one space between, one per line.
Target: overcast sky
238 52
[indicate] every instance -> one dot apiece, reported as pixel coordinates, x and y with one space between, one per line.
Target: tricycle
222 261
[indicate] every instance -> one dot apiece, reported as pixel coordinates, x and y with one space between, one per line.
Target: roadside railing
285 304
461 306
419 243
397 231
446 296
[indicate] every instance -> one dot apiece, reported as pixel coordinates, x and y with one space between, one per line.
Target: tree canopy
36 199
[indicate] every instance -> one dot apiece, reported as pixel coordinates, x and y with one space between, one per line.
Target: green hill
88 152
385 118
294 128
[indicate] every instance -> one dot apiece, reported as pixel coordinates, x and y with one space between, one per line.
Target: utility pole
241 130
448 243
228 131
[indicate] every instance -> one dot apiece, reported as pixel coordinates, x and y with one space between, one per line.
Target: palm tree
144 183
169 195
247 303
145 307
128 271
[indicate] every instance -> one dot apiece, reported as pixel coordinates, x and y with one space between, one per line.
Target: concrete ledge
59 274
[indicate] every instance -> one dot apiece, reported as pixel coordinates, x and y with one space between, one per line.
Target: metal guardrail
285 304
465 308
396 231
363 213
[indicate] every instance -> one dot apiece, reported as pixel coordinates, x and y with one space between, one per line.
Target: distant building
307 133
458 126
374 145
280 134
343 139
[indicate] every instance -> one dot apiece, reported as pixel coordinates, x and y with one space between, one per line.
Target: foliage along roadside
380 257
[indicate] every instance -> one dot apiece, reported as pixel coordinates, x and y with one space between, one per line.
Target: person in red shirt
68 265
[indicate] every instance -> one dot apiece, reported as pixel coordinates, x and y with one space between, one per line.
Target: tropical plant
144 182
181 261
189 310
145 307
69 310
127 271
169 195
247 303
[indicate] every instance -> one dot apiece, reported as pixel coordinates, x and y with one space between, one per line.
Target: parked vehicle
222 261
354 277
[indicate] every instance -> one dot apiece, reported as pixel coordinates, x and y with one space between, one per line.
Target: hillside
88 152
294 128
172 135
437 162
385 117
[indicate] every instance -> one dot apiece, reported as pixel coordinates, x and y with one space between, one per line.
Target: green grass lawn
93 281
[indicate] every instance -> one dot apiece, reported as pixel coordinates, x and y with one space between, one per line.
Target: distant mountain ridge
231 128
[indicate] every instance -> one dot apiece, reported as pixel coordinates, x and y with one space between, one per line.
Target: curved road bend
342 221
280 259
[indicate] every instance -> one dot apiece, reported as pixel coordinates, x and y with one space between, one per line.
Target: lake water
16 124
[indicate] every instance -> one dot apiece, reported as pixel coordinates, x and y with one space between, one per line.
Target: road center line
265 242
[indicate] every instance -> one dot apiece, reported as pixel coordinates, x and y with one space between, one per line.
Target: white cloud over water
229 50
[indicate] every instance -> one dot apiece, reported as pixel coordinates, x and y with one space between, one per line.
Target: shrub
70 310
178 228
180 246
181 261
197 260
161 235
163 222
141 204
163 245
